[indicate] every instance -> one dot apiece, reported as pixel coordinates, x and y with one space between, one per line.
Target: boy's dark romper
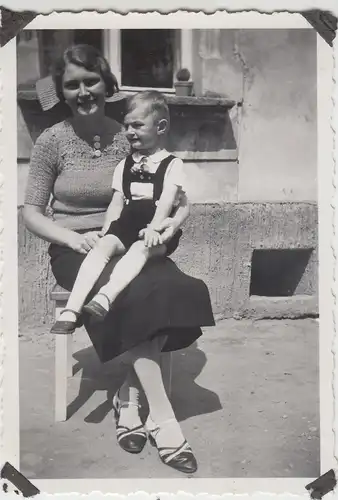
137 214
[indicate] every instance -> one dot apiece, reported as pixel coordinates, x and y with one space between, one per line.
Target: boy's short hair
156 102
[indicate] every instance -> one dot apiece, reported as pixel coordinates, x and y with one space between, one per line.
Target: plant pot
183 88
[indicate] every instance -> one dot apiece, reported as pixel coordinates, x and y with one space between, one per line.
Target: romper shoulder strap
126 179
159 176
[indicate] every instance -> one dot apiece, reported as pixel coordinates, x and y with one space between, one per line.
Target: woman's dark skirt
161 300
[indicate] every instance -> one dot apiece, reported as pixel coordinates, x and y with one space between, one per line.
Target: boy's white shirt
174 175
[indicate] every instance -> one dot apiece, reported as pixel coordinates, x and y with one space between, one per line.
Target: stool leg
63 369
166 367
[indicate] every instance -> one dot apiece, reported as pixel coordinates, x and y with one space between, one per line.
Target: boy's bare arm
114 210
165 205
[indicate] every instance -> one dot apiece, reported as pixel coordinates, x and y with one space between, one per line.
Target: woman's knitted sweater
66 175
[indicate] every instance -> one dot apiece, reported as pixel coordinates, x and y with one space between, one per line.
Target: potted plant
183 84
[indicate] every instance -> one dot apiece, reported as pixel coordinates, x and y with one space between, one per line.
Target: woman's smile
87 105
84 90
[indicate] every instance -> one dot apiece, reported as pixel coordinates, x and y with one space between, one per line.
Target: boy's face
143 129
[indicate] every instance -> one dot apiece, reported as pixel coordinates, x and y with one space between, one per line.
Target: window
147 58
142 58
54 42
37 50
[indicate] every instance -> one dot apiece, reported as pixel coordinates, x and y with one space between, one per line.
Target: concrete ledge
293 307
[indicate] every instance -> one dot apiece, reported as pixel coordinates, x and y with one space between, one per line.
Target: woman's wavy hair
87 57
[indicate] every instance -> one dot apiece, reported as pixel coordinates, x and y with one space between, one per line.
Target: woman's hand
83 243
167 228
92 237
150 237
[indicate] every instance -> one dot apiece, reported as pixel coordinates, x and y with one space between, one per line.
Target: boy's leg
90 271
126 270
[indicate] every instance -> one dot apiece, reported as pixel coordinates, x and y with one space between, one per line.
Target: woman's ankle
129 394
167 433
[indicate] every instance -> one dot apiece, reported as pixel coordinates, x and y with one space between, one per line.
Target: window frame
112 52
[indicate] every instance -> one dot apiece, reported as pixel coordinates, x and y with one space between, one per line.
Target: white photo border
9 419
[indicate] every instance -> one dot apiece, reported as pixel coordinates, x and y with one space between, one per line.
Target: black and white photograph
169 250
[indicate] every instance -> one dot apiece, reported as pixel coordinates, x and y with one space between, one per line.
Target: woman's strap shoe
131 440
95 309
61 327
180 458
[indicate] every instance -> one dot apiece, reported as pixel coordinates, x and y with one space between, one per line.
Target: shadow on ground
188 398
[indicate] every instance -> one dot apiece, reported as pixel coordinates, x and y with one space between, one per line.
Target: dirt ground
247 397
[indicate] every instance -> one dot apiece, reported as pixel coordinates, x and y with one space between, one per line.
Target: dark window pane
147 58
91 37
54 42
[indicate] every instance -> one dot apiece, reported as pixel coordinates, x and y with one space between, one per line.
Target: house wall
273 72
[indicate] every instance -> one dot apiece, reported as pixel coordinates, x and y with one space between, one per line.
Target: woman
162 309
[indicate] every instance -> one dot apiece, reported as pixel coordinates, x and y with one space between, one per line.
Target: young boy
146 190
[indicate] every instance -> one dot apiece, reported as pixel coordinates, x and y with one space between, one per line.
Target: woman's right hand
167 229
83 243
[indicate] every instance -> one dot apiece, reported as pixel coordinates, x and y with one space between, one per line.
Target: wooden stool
64 359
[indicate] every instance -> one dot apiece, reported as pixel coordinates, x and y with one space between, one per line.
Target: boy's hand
150 237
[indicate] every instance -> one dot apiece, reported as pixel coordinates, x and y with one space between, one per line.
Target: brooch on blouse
97 146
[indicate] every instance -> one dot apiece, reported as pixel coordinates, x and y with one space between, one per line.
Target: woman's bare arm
182 212
48 230
171 225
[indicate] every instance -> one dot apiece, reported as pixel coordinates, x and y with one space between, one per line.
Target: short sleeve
42 170
176 174
118 177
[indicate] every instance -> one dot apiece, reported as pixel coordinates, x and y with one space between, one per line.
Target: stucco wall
274 73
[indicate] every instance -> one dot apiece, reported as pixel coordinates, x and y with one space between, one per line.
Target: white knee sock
89 272
125 271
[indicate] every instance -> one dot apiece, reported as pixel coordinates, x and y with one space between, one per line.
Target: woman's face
83 90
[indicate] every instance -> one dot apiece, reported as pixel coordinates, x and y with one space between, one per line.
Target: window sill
222 102
132 90
230 155
176 100
27 92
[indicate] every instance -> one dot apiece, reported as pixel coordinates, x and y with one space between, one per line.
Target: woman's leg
126 270
146 362
173 449
89 272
